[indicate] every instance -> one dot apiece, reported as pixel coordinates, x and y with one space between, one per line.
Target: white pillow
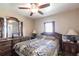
44 37
49 37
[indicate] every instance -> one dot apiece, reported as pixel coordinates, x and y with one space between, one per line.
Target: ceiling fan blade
40 12
24 8
31 13
44 5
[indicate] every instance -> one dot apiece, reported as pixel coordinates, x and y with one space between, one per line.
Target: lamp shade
72 32
34 31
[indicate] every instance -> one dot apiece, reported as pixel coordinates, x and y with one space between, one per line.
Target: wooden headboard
57 35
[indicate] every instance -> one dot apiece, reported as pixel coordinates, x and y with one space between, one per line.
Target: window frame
53 24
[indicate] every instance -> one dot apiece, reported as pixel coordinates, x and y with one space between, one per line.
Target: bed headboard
57 35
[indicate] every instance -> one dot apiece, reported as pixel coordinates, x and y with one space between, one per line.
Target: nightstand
69 48
33 36
70 45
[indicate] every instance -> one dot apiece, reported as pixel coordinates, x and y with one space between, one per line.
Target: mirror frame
15 19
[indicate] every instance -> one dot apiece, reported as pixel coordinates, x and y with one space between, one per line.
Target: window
49 26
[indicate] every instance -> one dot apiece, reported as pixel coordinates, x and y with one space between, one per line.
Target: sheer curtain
49 27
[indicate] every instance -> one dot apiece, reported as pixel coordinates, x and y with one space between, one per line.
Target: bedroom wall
63 21
27 23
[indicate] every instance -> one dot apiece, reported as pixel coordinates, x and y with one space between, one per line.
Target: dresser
6 45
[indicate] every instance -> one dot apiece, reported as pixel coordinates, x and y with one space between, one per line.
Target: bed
45 46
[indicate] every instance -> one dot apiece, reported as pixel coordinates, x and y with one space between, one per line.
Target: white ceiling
53 9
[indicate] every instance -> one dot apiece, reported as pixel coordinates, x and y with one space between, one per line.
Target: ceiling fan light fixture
34 10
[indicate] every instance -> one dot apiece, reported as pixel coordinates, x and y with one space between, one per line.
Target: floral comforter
36 47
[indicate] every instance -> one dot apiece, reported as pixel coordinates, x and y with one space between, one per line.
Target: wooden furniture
1 27
10 27
69 48
6 45
70 45
14 27
12 30
33 36
77 47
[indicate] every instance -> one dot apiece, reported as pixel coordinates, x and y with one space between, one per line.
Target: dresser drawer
8 54
2 48
5 52
3 43
6 46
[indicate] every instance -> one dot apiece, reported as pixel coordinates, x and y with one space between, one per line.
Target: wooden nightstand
33 36
70 45
69 49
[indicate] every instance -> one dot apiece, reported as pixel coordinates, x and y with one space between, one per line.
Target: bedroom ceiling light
35 7
34 10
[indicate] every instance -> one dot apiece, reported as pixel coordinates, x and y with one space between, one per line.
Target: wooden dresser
6 45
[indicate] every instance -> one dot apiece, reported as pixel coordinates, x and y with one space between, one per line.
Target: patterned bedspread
37 47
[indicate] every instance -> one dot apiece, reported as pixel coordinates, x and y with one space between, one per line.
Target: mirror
10 27
13 29
1 26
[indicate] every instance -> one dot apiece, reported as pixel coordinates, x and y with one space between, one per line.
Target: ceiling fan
35 7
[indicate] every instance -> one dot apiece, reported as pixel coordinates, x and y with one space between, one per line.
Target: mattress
37 47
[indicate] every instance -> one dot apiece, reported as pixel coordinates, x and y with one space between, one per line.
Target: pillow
39 37
43 37
49 37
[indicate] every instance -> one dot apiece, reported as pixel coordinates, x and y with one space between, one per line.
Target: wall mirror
10 27
1 27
